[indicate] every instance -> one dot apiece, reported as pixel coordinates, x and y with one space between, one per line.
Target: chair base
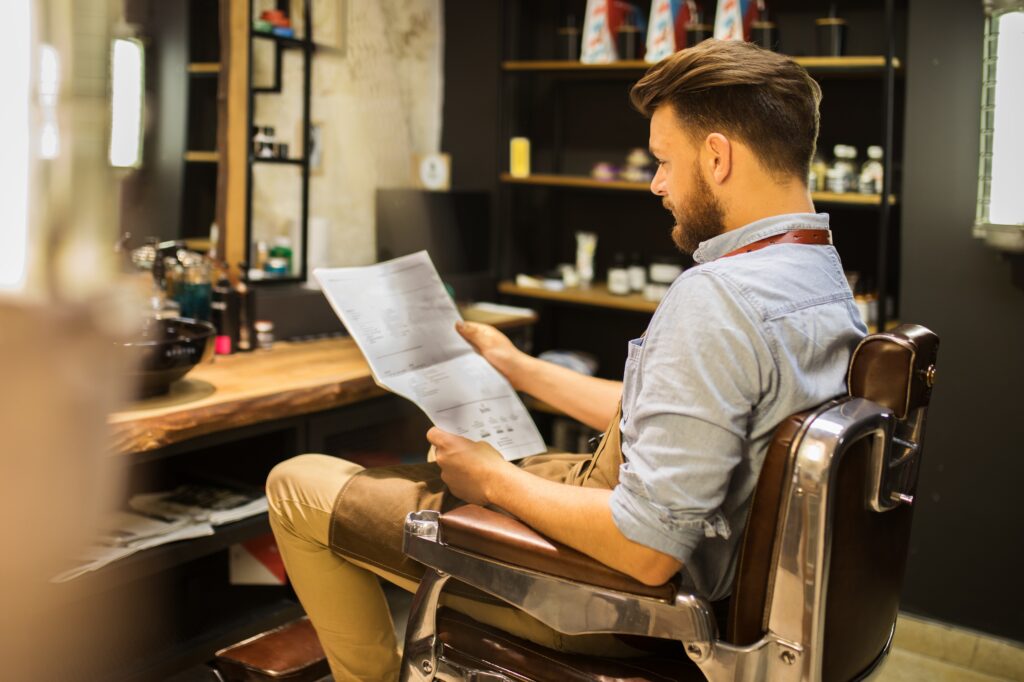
478 648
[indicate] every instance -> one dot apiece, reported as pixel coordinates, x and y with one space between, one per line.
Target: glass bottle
871 172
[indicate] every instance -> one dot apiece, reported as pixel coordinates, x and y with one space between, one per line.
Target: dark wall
968 529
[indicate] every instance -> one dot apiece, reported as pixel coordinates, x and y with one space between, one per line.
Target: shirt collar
722 244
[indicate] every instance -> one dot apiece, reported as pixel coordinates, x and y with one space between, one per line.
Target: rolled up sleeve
686 417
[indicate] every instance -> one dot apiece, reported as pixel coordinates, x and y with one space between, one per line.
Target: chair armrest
481 531
556 599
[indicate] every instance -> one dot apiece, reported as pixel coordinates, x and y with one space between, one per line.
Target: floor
923 651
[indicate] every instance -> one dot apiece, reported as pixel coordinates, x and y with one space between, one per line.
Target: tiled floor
927 651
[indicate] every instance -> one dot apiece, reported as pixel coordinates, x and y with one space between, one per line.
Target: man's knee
309 480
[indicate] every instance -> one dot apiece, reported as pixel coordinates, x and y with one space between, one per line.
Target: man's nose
658 182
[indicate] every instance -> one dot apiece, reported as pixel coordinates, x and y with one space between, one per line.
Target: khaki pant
343 596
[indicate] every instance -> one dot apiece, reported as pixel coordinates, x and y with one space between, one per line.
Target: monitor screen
454 227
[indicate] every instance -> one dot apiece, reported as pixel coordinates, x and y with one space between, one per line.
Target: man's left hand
467 467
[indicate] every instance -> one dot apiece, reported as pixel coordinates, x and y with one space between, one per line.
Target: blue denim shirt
737 345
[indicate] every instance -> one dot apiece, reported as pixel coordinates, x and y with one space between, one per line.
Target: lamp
1000 214
128 61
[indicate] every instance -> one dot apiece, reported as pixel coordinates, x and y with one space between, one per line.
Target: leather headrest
895 368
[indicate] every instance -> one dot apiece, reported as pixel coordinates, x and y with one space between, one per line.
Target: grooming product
246 310
818 173
830 33
282 248
664 271
764 34
224 315
871 173
570 278
519 157
628 39
281 150
586 245
842 175
264 334
637 273
569 39
263 143
618 276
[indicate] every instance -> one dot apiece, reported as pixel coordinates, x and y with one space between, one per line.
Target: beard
701 219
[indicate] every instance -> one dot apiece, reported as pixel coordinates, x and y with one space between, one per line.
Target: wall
966 546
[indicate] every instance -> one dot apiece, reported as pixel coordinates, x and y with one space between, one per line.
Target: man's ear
718 151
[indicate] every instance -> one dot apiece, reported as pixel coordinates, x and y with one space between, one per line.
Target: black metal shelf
292 162
306 47
164 557
287 43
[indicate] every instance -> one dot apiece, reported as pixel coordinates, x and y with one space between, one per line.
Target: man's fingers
442 439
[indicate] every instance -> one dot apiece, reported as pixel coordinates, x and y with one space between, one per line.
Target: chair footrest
290 652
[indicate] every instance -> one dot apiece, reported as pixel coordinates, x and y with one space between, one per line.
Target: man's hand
468 468
496 348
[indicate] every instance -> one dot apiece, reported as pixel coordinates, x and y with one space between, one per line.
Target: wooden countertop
288 380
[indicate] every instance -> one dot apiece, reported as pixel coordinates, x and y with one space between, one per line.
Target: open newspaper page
403 320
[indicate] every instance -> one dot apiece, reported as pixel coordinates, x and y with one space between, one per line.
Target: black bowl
166 351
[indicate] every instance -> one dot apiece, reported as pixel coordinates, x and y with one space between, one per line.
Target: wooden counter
288 380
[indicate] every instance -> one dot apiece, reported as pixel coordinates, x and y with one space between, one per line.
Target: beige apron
370 510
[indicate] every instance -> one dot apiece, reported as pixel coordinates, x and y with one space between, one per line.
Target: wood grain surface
238 390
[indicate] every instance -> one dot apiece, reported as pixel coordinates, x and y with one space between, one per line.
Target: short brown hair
765 99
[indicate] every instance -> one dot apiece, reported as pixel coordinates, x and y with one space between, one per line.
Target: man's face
685 193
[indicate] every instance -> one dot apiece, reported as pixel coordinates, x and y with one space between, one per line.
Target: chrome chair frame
791 649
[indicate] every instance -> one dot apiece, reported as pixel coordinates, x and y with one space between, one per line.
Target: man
762 328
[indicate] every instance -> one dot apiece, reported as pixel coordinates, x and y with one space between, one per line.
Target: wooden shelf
294 43
204 68
162 557
580 181
597 295
197 156
583 182
837 65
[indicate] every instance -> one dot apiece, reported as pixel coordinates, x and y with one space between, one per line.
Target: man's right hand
496 348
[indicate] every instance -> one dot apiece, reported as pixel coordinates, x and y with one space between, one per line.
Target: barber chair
818 579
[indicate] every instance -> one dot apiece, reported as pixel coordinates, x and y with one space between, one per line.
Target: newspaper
214 505
189 511
403 320
126 533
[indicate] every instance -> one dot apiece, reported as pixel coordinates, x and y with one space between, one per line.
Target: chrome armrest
567 606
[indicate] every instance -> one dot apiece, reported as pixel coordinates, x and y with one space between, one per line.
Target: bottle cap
874 152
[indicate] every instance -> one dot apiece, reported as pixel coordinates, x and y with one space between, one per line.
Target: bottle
224 315
282 248
871 172
637 273
246 310
586 244
819 172
618 276
842 175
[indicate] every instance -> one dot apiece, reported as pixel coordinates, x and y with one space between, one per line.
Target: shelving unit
577 115
305 47
597 295
869 64
583 182
202 75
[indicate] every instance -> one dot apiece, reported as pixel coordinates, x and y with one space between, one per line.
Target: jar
264 334
637 273
618 276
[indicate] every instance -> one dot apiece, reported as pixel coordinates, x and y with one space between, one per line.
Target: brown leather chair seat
476 645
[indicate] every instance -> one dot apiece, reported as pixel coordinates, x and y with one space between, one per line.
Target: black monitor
454 227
